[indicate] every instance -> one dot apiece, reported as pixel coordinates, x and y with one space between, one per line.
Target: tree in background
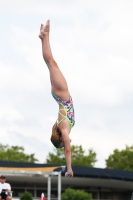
121 159
26 196
78 157
15 153
75 195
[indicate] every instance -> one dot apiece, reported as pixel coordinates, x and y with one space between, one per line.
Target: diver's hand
69 174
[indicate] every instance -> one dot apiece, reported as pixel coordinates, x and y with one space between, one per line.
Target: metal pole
132 197
35 190
98 193
59 185
49 188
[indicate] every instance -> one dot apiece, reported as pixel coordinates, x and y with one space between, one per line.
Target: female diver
62 127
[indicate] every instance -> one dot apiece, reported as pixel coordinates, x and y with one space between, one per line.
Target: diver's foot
44 30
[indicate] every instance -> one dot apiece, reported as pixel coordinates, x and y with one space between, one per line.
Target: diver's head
56 137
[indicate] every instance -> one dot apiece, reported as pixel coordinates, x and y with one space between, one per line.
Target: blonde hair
55 137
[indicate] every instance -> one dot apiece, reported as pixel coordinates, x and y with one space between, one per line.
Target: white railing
16 198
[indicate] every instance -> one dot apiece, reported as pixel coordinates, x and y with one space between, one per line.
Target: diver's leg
58 82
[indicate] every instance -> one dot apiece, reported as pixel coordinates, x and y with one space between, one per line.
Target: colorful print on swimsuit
69 106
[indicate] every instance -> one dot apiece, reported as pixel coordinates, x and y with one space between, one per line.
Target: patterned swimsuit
68 108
